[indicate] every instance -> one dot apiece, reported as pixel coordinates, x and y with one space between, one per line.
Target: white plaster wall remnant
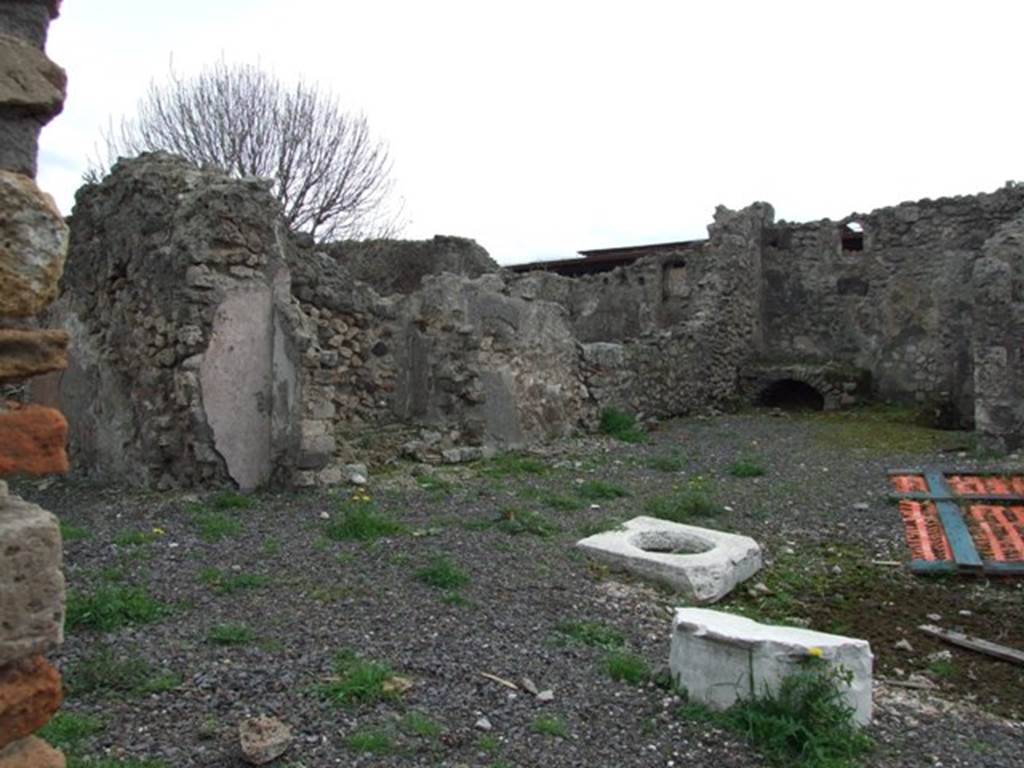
701 563
720 658
236 381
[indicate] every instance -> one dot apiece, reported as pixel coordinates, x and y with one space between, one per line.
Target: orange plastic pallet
962 521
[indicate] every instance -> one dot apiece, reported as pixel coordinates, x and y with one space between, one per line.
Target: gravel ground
821 511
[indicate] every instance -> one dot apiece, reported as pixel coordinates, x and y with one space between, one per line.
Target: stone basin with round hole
701 563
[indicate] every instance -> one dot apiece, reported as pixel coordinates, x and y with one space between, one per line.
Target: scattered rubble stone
263 739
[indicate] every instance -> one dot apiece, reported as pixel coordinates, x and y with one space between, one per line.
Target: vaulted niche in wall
674 281
852 236
792 395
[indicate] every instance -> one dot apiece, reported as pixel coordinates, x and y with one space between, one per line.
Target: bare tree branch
332 178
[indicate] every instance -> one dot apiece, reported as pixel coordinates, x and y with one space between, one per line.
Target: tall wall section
894 299
33 241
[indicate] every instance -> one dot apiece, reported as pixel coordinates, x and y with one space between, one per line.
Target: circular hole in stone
671 543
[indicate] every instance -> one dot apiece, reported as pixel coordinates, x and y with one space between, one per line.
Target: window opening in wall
792 395
853 237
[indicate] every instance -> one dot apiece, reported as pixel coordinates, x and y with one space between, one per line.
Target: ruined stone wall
900 307
997 338
177 299
399 266
33 241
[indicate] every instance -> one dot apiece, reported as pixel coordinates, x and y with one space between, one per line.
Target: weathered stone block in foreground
30 692
31 583
32 440
703 564
31 753
720 658
33 241
24 354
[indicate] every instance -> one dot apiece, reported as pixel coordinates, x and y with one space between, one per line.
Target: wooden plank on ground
974 643
959 537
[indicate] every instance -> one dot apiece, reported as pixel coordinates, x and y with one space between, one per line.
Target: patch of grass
68 730
229 582
230 634
136 538
443 574
373 740
106 673
214 525
417 723
670 462
231 500
882 430
550 725
622 426
360 521
114 762
112 606
356 680
599 490
942 668
600 525
625 666
513 465
489 743
71 532
435 484
746 466
682 506
271 546
805 724
590 633
456 599
560 503
519 521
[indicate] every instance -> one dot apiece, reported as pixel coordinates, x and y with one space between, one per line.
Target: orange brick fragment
32 440
30 693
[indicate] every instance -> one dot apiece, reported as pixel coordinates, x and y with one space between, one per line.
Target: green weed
418 724
71 532
360 521
214 525
112 606
622 426
103 672
443 574
357 680
590 633
228 583
519 521
550 725
682 506
231 500
372 740
68 730
599 490
513 465
806 723
672 462
136 538
435 484
625 666
746 466
230 634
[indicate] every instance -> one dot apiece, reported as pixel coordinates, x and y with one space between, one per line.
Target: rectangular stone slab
720 658
32 440
31 582
24 354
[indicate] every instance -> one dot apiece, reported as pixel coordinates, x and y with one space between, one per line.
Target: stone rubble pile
33 244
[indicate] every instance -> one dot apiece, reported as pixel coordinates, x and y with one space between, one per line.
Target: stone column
33 242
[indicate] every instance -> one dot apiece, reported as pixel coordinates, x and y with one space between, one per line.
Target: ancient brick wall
33 241
894 299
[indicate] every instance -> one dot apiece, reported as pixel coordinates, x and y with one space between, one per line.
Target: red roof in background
605 259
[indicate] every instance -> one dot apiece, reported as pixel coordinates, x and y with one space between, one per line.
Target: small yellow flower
159 531
815 651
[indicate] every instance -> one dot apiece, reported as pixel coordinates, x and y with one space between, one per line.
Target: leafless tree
332 178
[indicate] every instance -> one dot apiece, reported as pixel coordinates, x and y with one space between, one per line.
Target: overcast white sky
543 128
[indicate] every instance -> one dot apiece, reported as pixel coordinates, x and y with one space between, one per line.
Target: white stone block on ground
702 563
720 658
